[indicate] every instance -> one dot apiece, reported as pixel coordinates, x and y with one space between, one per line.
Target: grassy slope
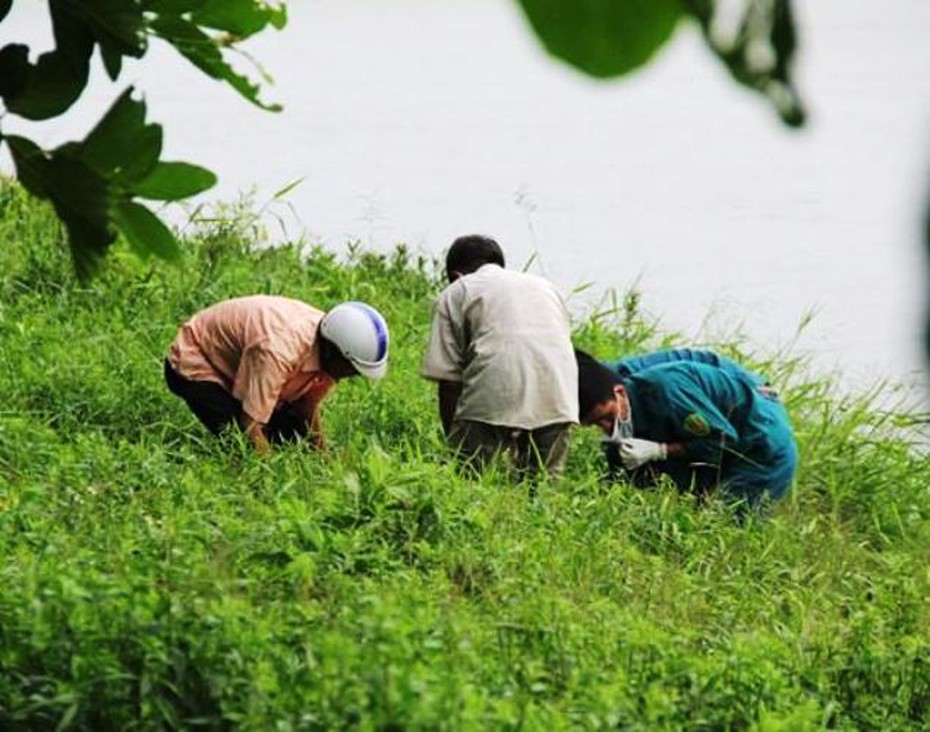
151 575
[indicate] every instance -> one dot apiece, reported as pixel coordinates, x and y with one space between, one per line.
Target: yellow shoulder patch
697 425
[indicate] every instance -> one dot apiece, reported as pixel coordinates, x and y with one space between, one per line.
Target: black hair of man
468 253
596 383
333 362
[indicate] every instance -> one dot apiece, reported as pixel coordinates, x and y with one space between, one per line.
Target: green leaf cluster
92 184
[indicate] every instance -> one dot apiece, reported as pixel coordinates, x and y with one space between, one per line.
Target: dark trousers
216 408
531 452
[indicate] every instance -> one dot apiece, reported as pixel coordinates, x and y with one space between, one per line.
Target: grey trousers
530 452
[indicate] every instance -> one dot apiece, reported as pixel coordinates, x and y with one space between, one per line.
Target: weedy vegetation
153 577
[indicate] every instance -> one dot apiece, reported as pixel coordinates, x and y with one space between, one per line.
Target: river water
416 120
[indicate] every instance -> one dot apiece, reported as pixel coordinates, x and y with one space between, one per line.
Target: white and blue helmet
360 334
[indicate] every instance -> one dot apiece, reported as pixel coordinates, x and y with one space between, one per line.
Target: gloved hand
635 452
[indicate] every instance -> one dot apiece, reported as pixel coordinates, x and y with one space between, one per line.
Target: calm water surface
416 121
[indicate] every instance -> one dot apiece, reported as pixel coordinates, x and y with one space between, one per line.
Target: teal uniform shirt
629 365
737 432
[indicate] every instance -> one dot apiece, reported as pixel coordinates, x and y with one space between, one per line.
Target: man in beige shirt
500 349
267 362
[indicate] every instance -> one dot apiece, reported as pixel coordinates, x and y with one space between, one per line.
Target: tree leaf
762 23
14 69
51 85
112 61
80 196
784 38
115 24
122 143
242 18
58 78
174 181
171 7
145 232
603 38
47 88
204 52
91 183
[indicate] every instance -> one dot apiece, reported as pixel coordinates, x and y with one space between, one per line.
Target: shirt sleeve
259 380
444 354
702 428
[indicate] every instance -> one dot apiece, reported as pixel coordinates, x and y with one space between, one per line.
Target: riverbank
153 576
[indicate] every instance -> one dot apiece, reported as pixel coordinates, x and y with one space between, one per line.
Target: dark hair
333 362
596 383
468 253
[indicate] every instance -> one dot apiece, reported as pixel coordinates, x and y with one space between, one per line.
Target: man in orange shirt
266 362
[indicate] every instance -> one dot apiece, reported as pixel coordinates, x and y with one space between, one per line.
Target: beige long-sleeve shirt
506 336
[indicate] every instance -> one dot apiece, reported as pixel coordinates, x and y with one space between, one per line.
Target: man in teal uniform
697 417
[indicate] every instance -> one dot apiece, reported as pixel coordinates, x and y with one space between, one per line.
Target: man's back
210 345
714 407
506 336
629 365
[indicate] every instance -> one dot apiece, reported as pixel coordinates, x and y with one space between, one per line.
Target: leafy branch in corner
93 184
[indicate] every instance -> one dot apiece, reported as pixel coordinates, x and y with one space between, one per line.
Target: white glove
635 452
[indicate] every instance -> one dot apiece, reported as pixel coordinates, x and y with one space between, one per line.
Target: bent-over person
699 418
266 363
500 351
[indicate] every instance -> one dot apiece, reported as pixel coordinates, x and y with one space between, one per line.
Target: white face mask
623 428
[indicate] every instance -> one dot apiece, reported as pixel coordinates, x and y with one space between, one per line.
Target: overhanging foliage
755 39
93 184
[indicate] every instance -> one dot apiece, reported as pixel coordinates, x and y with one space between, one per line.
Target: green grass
152 577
